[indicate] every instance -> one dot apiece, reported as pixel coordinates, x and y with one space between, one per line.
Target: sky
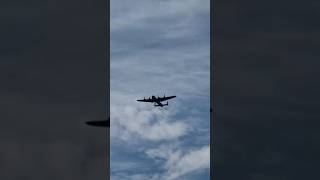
157 48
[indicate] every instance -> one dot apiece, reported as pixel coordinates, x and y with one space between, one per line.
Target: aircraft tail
156 105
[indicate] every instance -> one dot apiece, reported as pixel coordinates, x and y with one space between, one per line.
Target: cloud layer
157 48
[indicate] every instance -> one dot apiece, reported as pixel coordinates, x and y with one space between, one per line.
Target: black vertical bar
54 77
108 83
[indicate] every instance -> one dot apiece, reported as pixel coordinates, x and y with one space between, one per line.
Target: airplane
157 100
103 123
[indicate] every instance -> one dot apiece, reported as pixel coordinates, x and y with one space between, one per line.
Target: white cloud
179 164
130 120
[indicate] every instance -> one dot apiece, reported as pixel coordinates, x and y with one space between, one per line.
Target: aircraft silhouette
103 123
157 100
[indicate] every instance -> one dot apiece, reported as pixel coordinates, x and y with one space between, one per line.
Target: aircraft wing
158 99
166 98
146 100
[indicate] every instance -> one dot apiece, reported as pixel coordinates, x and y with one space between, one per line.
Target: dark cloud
265 68
53 74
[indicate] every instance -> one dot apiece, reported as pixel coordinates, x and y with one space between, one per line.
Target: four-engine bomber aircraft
157 100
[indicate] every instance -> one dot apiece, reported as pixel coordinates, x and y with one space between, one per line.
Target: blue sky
157 47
